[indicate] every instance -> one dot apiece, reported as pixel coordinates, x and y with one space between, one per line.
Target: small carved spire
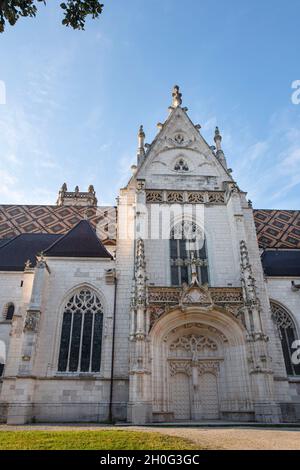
91 189
27 264
219 153
64 187
141 144
248 281
218 138
76 189
177 97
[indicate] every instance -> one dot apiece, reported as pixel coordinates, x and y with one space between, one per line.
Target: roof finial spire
141 144
220 154
177 97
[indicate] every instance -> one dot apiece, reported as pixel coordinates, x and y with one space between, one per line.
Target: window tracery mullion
92 343
80 342
70 341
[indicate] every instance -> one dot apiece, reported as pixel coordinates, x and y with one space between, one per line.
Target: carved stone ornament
208 366
193 343
162 299
180 367
186 367
32 321
140 185
196 294
179 141
180 197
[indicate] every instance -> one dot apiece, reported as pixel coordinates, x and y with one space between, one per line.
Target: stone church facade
179 304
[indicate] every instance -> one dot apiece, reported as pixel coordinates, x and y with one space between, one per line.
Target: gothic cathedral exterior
179 304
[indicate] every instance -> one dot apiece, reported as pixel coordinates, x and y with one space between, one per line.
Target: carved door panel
209 396
180 391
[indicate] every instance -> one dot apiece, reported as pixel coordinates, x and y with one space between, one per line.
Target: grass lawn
91 440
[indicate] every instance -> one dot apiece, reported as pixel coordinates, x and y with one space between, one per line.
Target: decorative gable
179 150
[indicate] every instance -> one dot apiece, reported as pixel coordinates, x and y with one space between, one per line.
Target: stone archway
199 366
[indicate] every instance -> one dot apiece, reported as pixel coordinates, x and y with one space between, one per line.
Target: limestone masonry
182 303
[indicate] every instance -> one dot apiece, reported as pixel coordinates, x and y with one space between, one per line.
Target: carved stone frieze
161 299
185 366
180 197
193 343
154 196
232 295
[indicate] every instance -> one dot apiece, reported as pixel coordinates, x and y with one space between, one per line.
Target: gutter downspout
110 414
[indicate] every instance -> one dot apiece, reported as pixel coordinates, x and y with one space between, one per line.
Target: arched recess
8 311
206 350
288 334
80 330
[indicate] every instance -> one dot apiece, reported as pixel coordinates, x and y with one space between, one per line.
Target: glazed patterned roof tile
275 228
15 220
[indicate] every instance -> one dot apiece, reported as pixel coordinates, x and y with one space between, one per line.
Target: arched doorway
199 366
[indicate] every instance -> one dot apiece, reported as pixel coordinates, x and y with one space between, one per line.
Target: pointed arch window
288 334
188 242
81 334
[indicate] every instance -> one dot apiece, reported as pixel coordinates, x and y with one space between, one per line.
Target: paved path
212 438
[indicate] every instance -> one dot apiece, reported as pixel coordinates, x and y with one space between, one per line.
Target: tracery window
188 246
288 334
181 165
9 311
81 334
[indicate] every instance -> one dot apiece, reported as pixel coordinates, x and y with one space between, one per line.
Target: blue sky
74 100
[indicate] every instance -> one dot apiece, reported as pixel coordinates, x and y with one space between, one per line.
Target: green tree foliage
75 11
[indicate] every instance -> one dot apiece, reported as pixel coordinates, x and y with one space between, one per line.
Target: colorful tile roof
275 228
17 219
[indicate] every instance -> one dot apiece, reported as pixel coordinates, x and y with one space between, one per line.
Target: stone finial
141 144
141 131
177 97
141 138
91 189
28 265
76 189
64 187
219 153
218 138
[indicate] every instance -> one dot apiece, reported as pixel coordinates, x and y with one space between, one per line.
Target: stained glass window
187 245
288 334
81 334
